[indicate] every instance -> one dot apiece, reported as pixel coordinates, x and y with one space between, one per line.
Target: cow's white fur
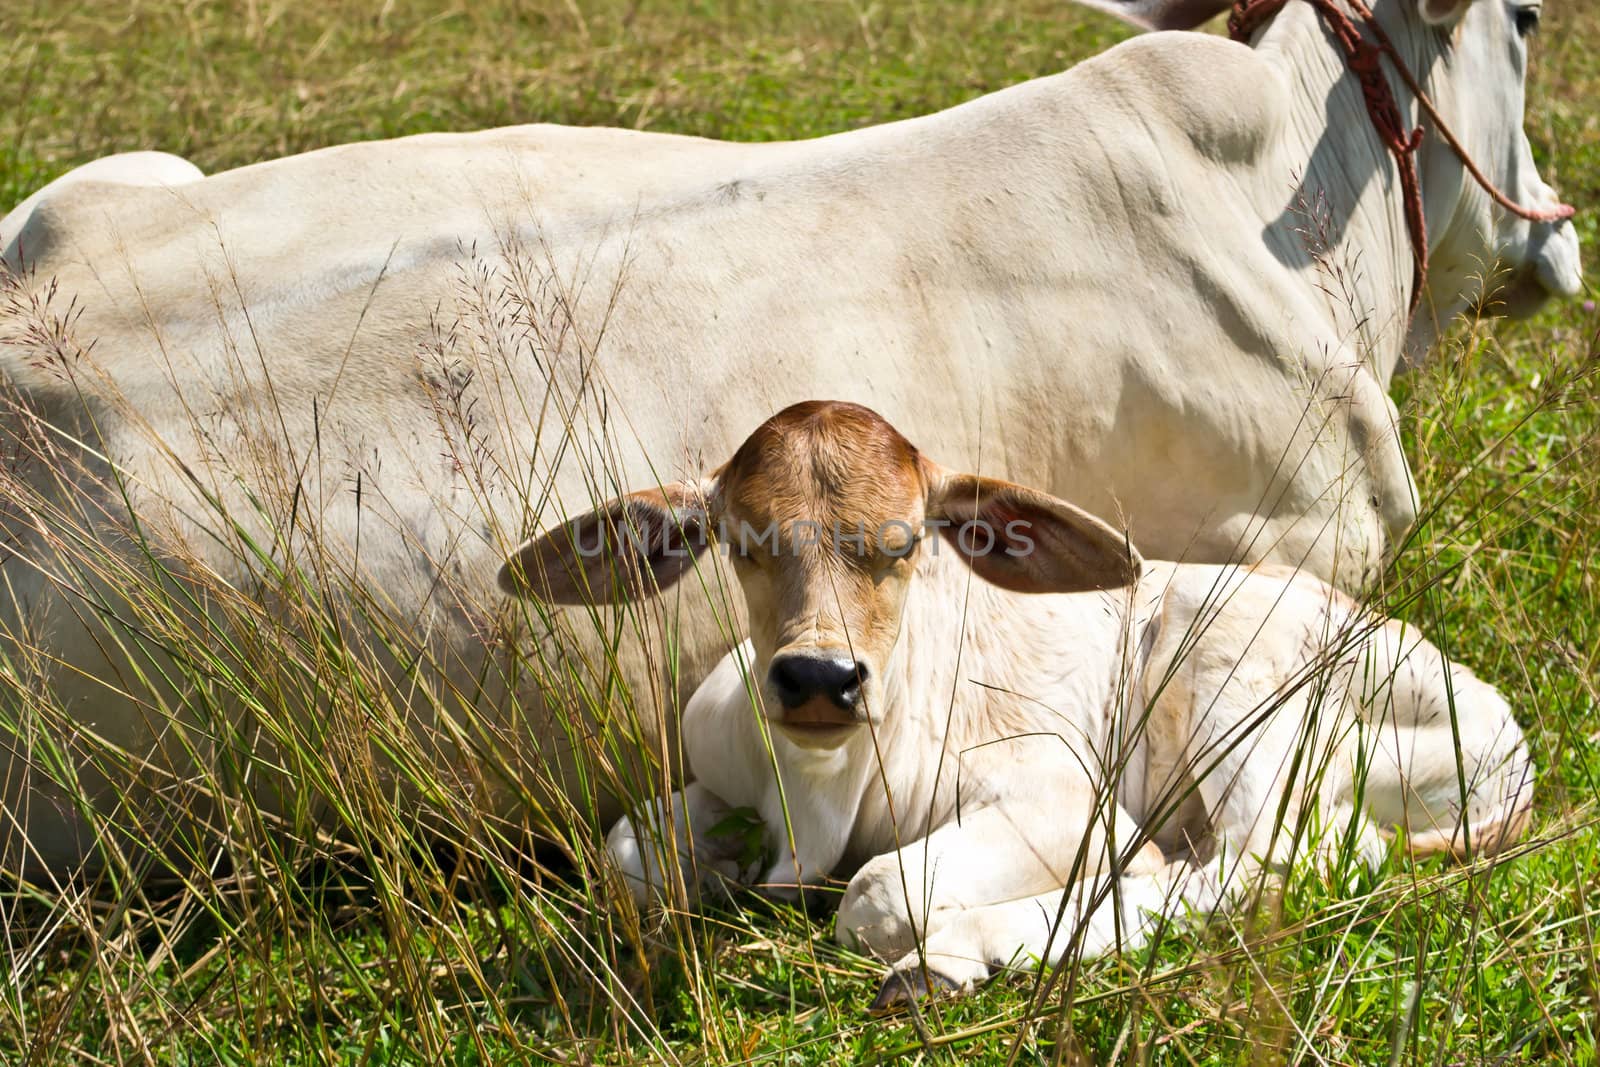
1114 245
1028 747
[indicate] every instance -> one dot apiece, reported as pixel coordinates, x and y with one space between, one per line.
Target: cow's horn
1161 14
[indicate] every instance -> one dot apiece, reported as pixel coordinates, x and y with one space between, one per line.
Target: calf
1080 734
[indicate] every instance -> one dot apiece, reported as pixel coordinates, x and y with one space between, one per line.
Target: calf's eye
1527 21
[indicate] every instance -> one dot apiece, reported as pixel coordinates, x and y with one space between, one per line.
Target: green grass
401 956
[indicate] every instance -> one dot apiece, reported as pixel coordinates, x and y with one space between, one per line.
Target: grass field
391 959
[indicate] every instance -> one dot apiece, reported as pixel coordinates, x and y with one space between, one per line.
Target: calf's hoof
905 986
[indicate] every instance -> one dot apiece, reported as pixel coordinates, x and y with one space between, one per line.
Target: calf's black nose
798 678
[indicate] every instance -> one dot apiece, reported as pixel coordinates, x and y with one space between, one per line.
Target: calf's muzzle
818 689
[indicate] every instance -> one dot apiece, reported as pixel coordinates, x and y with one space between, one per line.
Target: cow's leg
1267 740
1088 919
1000 853
1003 851
1444 758
126 168
666 852
1368 742
808 829
1272 785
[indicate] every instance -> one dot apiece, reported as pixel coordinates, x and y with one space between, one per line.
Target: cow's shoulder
1221 98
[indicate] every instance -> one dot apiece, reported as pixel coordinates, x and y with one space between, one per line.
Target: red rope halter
1362 57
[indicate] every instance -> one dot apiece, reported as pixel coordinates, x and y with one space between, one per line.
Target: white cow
378 365
990 759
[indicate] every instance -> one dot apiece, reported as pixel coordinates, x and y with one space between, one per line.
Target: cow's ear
1027 541
628 549
1161 14
1442 12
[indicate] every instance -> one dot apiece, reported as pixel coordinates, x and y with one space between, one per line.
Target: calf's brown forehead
839 465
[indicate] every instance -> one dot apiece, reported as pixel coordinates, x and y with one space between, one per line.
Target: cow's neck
1350 215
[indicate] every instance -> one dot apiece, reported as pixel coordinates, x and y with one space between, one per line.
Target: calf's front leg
997 855
1089 918
666 853
809 820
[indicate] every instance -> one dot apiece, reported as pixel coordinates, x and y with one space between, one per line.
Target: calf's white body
1002 759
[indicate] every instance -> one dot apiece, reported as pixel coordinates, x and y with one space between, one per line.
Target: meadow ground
389 960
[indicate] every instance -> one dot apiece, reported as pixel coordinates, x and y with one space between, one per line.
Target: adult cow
1170 284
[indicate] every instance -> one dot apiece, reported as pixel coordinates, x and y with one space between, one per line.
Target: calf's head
825 511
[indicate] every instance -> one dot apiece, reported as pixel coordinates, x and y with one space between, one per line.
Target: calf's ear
621 552
1027 541
1161 14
